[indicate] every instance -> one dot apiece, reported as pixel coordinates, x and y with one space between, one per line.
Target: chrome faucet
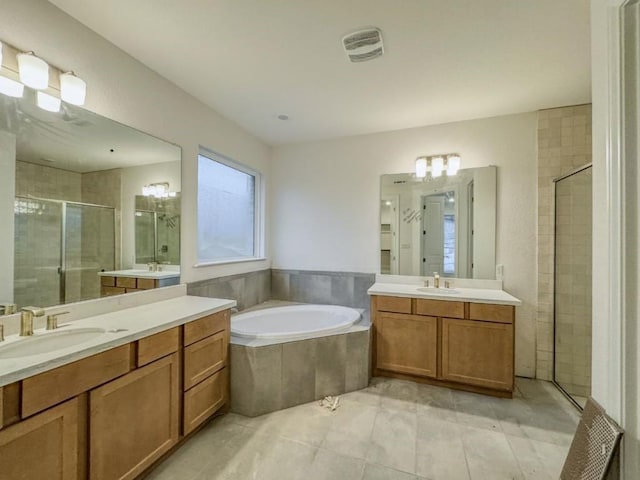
26 319
436 280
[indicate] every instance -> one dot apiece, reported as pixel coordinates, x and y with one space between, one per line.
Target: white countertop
141 274
473 295
123 326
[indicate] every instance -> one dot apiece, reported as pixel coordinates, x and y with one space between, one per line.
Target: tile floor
392 430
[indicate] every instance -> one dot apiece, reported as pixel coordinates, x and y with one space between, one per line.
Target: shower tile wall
564 143
99 188
47 182
573 284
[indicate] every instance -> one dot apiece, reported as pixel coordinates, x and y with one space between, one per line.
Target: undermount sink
439 291
49 342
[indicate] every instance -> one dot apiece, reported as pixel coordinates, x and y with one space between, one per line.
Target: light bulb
72 89
48 102
421 167
11 87
437 164
453 164
33 71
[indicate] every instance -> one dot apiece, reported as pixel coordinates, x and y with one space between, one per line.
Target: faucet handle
52 320
35 311
1 332
9 308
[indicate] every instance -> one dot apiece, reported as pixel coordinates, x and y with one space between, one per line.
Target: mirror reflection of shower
157 229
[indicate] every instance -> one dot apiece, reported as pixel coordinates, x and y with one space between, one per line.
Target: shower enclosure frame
62 271
573 172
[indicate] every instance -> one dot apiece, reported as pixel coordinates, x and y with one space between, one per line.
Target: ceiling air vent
363 45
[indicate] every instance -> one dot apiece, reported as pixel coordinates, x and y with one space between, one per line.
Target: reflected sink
439 291
49 342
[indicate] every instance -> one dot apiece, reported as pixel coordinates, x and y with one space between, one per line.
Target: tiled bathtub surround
564 143
248 289
270 378
324 288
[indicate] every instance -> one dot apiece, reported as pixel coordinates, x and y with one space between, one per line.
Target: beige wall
325 201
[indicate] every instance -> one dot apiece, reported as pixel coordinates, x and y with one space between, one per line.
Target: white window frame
258 208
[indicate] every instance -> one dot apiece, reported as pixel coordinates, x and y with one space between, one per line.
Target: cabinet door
477 353
205 399
407 344
134 420
43 446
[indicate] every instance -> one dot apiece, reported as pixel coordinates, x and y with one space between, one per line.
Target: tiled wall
47 182
564 143
573 283
328 288
248 289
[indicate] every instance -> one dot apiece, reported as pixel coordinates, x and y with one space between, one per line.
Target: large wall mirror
72 185
445 224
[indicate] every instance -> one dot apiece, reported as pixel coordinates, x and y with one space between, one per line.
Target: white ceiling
444 61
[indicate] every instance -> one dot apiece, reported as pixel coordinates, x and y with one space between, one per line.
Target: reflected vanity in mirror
68 188
445 224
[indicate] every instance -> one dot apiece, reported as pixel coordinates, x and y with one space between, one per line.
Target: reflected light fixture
11 88
33 71
48 102
158 190
437 164
453 164
72 89
421 167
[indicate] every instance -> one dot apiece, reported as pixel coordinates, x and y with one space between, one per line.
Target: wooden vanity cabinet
457 344
134 420
114 414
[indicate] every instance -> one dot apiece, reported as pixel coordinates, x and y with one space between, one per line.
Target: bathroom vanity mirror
68 187
445 225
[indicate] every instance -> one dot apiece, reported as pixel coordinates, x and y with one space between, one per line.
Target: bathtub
294 322
283 356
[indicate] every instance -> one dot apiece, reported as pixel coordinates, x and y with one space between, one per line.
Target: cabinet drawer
204 400
126 282
203 327
147 283
394 304
49 388
477 353
157 346
108 281
109 291
491 312
205 357
440 308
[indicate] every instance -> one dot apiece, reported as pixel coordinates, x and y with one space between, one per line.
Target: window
228 210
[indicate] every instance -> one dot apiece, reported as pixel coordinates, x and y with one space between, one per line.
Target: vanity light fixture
72 88
48 102
33 71
437 164
158 190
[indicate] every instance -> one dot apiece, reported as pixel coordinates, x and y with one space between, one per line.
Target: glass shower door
572 297
89 247
38 237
